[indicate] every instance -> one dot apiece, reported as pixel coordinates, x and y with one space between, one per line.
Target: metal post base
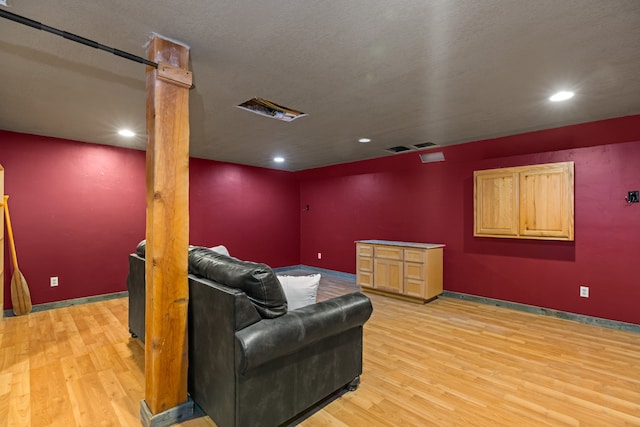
177 414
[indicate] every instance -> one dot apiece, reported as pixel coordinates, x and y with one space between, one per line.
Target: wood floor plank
447 363
19 413
5 392
127 411
90 404
49 400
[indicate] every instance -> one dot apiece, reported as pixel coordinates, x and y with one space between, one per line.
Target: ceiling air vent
270 109
424 145
398 149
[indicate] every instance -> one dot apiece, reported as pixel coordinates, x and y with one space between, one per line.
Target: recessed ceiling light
126 132
561 96
364 140
278 159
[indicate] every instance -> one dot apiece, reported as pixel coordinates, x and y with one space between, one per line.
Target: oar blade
20 296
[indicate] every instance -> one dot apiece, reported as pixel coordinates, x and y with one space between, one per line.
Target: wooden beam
1 242
167 232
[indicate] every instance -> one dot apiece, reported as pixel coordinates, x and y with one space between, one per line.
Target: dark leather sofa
252 362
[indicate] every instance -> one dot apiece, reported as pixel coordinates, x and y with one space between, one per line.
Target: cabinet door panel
546 201
433 273
387 275
496 203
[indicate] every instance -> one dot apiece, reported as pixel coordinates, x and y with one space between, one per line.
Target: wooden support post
1 243
167 235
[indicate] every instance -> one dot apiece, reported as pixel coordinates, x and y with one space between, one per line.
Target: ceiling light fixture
278 159
126 132
561 96
364 140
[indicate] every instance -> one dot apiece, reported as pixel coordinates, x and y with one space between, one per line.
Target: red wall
399 198
78 210
252 211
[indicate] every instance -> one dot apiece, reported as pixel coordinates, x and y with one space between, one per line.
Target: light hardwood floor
446 363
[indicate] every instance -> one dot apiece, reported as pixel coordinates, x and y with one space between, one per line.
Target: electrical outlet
584 291
632 197
319 255
53 281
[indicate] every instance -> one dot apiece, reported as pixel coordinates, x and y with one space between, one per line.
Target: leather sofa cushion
256 280
270 339
141 249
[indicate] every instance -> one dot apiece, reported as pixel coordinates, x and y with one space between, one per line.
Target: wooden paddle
20 296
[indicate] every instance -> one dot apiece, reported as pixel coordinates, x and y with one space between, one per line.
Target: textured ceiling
399 72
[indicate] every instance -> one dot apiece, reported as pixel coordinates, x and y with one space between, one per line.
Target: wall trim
589 320
71 302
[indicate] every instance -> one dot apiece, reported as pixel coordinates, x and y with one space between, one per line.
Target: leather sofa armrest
272 338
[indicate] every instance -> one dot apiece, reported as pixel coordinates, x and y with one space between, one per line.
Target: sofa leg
353 384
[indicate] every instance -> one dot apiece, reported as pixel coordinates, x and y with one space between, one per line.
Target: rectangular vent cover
270 109
398 149
424 145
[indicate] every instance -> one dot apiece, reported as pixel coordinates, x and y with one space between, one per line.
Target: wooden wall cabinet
527 202
407 270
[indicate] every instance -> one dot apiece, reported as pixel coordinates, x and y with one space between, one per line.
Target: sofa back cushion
256 280
300 291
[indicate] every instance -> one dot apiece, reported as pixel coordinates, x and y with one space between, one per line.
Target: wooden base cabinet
402 269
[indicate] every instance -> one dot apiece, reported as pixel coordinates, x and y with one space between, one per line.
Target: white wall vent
438 156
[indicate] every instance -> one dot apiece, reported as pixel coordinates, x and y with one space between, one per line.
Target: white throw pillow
300 290
221 250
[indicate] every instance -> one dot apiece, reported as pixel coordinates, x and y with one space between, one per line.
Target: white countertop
409 244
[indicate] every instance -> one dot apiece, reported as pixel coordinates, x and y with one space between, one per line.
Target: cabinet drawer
388 252
365 250
365 279
365 264
414 255
414 288
414 270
